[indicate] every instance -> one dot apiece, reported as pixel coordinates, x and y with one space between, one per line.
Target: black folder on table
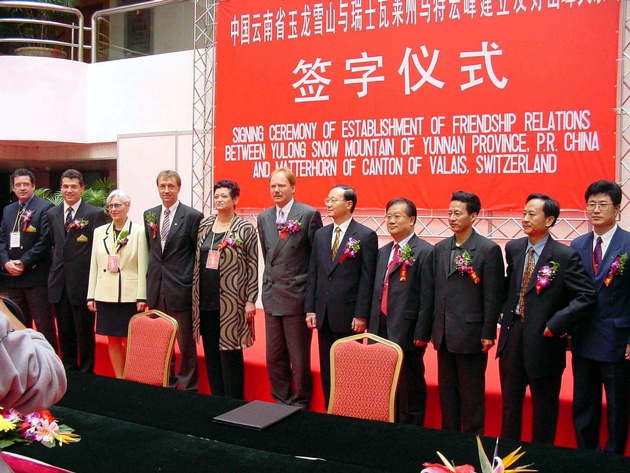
257 415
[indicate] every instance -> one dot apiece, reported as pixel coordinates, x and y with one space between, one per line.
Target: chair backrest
8 306
364 377
149 347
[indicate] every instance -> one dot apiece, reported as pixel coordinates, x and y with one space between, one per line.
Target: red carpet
257 386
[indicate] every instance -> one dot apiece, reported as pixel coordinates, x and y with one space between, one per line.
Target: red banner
417 98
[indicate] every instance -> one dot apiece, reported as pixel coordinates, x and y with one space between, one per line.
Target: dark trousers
226 368
33 302
411 396
588 378
545 391
288 352
326 337
462 386
76 334
186 377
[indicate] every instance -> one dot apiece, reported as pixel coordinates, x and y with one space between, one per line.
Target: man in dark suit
71 226
468 280
403 279
548 293
286 234
601 342
171 230
25 254
340 277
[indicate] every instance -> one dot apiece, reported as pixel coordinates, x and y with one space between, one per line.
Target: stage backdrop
418 98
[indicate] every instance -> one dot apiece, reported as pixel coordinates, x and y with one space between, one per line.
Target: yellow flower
6 425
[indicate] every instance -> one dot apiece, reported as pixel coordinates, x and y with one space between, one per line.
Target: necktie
68 217
529 269
390 266
166 225
597 255
335 246
280 220
21 208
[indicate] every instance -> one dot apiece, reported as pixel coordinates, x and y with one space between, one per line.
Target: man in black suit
286 233
25 254
548 293
468 280
340 277
71 226
171 230
402 286
601 342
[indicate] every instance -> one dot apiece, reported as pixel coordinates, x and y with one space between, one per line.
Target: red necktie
390 266
597 255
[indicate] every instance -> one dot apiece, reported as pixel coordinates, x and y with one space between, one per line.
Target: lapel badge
31 229
82 239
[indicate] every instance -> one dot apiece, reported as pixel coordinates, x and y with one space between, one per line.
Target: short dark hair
72 174
169 174
411 207
348 194
21 173
232 186
473 204
604 186
551 208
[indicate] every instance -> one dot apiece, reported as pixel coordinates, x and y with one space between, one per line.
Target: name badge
112 263
213 260
15 239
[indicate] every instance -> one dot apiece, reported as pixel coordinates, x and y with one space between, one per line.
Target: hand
420 343
547 333
250 310
628 351
141 306
358 325
92 306
311 320
487 343
14 268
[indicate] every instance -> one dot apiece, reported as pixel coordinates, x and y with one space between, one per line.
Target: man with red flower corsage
340 277
601 342
403 276
286 233
468 279
548 293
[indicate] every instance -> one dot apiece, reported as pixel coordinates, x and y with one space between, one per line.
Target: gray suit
284 284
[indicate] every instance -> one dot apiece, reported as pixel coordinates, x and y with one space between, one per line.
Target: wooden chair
364 377
150 345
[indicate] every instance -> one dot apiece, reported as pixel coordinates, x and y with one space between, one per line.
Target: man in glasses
601 342
399 313
340 277
72 225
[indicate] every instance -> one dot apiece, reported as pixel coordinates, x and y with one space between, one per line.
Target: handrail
50 7
122 9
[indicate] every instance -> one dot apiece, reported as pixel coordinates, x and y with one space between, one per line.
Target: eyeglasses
116 205
393 218
603 206
332 200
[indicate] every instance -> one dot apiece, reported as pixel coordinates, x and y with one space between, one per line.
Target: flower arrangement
616 268
230 242
39 427
497 465
464 266
77 223
545 275
405 259
27 215
122 240
350 250
151 220
288 227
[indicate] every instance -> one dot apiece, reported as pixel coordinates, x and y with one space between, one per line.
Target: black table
129 427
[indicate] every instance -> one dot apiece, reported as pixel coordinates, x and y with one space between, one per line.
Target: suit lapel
381 265
586 253
545 256
350 232
446 257
176 223
519 263
611 253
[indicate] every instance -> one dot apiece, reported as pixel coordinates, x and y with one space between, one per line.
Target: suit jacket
339 290
171 271
558 306
286 260
466 312
72 251
603 335
407 315
129 283
34 250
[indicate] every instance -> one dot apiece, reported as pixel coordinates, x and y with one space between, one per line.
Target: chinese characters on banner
418 98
